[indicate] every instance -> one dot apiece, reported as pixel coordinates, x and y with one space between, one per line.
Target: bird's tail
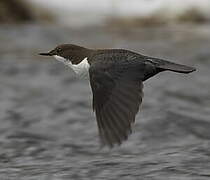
166 65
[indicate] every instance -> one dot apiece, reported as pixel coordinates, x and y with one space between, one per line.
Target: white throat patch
81 69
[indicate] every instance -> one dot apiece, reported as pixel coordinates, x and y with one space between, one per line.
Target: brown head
69 52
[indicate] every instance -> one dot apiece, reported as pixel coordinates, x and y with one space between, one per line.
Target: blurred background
47 127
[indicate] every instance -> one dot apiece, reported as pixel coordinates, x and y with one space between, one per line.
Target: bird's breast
81 69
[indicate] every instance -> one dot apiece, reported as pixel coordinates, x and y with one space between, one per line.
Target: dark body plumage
116 78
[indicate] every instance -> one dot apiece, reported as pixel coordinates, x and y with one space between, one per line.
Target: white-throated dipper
116 79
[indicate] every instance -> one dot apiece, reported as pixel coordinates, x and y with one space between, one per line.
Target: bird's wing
117 95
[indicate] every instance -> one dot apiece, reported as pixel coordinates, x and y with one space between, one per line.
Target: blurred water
47 127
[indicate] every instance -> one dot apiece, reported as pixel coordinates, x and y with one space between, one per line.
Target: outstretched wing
117 94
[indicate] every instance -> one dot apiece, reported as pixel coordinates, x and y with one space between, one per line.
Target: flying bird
116 78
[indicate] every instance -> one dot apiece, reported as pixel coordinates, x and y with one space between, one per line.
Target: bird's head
68 53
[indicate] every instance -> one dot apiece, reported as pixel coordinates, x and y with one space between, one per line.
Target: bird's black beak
45 54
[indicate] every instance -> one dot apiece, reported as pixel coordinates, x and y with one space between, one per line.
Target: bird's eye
58 50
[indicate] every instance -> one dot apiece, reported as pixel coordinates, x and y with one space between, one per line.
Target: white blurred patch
86 12
81 69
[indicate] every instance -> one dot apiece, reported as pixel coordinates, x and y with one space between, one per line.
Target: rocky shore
19 11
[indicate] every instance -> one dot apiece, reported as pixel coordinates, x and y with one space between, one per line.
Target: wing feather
117 95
